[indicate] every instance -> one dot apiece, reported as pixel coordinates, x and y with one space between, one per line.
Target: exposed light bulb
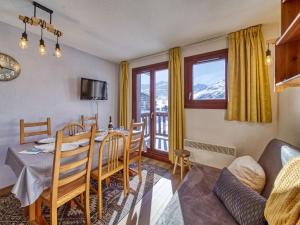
42 47
23 43
269 60
57 51
268 56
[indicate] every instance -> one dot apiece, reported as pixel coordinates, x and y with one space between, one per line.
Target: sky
209 72
160 75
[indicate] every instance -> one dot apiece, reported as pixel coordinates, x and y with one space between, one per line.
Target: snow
214 91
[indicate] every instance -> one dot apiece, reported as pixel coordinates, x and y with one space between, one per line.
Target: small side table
183 157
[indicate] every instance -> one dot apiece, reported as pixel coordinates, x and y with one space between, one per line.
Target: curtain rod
184 46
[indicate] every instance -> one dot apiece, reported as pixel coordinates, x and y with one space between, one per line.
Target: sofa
194 203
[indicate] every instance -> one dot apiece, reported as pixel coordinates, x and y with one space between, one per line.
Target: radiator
210 155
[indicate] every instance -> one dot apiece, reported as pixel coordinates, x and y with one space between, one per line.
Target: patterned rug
115 205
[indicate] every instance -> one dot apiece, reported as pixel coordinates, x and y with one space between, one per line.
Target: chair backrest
24 125
72 165
73 128
88 121
135 138
109 152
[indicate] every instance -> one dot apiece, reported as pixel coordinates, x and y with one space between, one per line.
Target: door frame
151 152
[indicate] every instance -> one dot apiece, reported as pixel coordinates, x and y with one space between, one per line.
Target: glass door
161 88
150 103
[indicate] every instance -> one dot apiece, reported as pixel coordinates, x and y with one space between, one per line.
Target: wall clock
9 68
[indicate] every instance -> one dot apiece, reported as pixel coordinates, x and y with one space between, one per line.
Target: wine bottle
110 125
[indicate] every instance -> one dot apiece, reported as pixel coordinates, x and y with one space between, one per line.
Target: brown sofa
194 203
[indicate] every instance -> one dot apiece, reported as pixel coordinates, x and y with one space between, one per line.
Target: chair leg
38 210
53 217
125 182
87 208
100 199
175 165
181 167
107 181
140 168
127 178
189 163
81 198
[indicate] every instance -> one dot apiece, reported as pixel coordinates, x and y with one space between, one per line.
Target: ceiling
124 29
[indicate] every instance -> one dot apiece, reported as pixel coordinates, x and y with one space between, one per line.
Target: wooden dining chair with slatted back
70 176
112 147
35 125
88 121
73 128
135 144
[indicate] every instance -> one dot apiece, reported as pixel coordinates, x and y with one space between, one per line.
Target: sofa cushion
194 203
249 172
243 203
272 161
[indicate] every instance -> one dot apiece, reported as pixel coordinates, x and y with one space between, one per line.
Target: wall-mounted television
93 89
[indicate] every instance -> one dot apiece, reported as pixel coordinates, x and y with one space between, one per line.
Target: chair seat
182 153
66 192
106 174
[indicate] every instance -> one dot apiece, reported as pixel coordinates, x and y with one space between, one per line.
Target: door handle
151 115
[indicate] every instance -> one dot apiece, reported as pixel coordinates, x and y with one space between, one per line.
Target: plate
69 146
82 141
46 147
46 140
80 133
100 138
51 147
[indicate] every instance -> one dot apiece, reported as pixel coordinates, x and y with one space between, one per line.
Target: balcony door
150 103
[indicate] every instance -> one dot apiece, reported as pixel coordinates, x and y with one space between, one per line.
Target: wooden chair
182 160
134 147
86 121
71 179
109 149
73 128
24 125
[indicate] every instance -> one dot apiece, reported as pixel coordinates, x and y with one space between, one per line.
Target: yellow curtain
176 108
123 94
248 80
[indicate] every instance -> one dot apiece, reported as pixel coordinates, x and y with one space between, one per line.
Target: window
206 80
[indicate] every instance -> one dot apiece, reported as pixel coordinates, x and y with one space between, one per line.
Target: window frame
188 78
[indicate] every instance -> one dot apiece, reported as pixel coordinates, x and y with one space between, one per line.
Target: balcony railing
161 123
161 129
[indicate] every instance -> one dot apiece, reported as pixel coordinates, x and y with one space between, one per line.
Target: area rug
115 205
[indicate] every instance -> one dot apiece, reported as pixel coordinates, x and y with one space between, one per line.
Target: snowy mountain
214 91
161 89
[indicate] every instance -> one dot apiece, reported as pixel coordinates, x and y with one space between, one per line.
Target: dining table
34 171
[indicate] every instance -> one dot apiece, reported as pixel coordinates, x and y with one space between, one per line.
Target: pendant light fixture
34 21
268 56
57 52
42 47
23 43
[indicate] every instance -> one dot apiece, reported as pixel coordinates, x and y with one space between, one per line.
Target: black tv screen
93 89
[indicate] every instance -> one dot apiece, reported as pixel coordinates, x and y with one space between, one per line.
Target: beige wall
210 126
289 116
48 86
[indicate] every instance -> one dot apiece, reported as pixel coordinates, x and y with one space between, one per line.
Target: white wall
210 126
48 86
289 116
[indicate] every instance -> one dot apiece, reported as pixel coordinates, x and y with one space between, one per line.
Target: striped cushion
243 203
